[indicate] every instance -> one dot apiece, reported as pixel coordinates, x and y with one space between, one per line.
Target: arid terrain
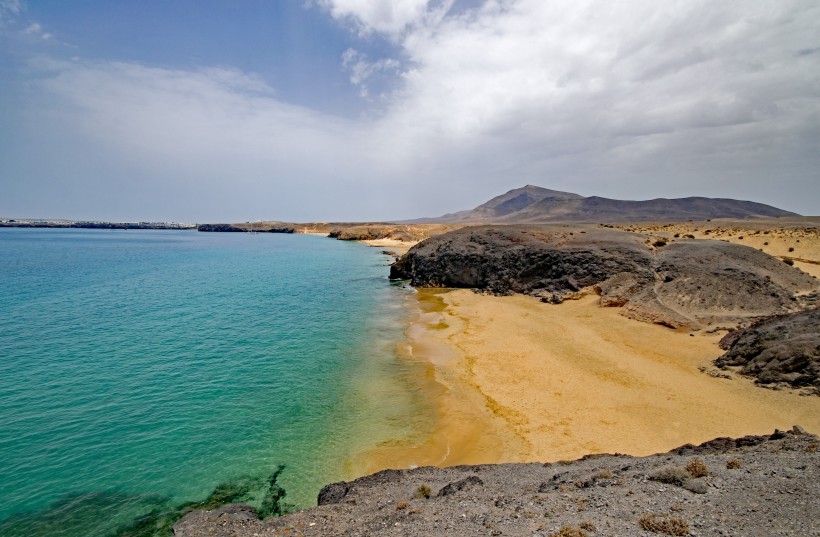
753 486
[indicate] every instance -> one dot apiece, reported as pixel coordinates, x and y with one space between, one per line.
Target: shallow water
139 368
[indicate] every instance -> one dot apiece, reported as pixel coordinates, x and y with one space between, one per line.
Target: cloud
207 114
386 16
599 93
36 29
10 6
361 69
9 9
631 99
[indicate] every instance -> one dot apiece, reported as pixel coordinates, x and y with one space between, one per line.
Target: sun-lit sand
793 238
514 379
394 246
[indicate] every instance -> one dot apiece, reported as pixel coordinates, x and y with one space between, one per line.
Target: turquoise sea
140 369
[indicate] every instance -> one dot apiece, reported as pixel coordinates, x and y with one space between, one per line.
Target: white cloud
36 29
631 99
361 69
387 17
587 91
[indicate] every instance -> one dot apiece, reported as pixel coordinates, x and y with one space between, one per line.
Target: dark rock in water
780 349
686 283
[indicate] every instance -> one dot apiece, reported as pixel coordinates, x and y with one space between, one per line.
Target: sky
364 110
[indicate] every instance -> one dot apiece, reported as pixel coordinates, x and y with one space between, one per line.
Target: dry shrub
697 468
671 475
733 464
569 531
606 473
423 492
666 524
581 503
587 525
402 505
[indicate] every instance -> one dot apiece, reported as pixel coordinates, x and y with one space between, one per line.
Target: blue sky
370 110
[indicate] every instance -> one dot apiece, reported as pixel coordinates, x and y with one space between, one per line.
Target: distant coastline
92 224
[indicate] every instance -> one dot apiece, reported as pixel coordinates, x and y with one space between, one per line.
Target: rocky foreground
756 485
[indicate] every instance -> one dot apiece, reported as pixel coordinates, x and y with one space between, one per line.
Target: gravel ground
752 486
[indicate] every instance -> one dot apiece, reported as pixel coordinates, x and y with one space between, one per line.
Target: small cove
142 367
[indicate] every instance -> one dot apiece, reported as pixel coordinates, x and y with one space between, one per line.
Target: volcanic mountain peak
534 204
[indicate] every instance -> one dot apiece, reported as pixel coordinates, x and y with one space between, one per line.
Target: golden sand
517 380
792 238
394 246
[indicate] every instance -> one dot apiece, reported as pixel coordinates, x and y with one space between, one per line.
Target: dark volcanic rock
461 484
518 259
223 228
333 493
782 349
686 283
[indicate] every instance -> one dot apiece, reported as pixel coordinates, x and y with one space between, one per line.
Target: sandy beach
393 246
516 380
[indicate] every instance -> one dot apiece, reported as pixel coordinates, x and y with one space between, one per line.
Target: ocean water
140 369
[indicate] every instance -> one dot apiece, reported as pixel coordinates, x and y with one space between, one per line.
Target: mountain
533 204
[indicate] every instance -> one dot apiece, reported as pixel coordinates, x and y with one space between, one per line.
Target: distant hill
533 204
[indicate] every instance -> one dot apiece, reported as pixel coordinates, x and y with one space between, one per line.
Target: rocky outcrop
370 233
221 228
246 228
756 485
780 350
697 283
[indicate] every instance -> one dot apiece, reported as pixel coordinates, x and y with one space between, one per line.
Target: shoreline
459 429
514 380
